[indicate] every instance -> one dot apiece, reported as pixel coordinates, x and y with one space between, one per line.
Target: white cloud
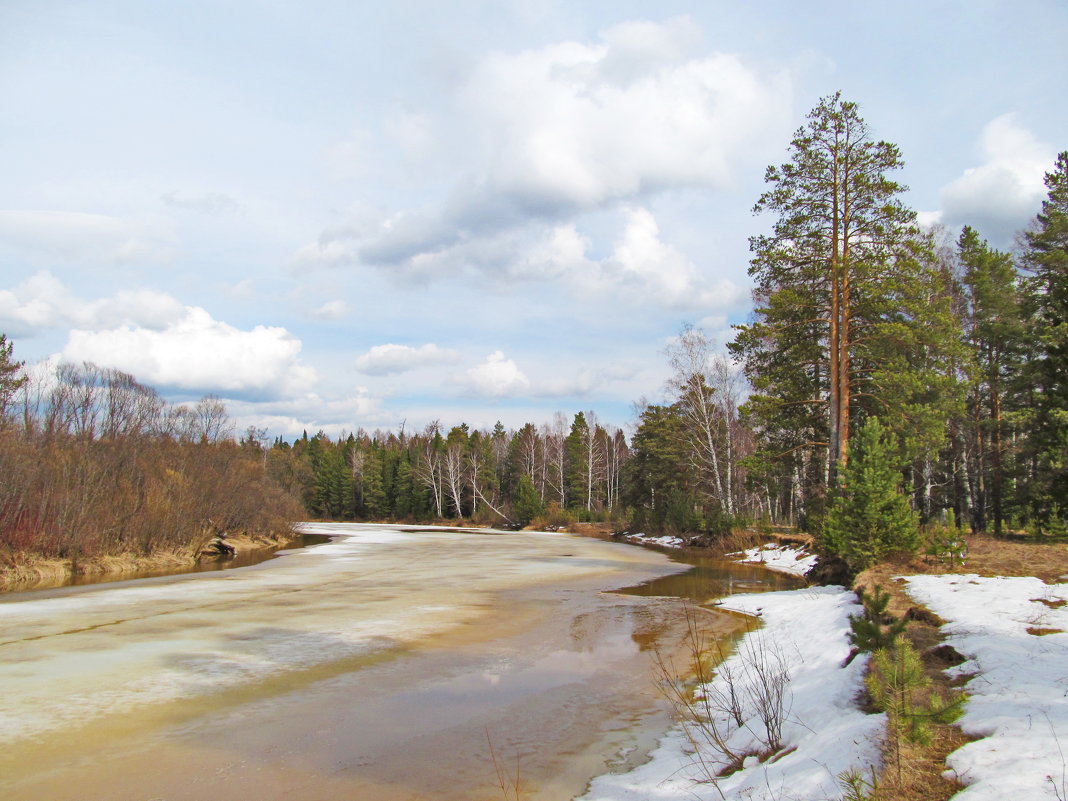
1006 190
78 237
390 359
640 268
331 310
196 352
496 377
649 268
584 380
570 128
311 412
42 302
576 125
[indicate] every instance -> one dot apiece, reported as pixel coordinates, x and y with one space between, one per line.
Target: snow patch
662 540
783 558
1018 696
824 733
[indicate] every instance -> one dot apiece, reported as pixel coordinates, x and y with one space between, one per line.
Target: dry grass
922 766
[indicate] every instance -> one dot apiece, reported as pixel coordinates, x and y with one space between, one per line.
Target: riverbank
21 572
999 632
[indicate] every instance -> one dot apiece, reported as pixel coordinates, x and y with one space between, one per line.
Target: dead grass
921 773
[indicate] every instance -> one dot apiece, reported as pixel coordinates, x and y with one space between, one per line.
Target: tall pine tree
1046 259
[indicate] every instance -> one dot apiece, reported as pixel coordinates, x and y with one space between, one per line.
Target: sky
339 215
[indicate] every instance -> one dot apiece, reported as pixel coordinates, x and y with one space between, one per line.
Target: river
389 664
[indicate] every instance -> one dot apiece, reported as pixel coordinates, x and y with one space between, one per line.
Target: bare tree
705 427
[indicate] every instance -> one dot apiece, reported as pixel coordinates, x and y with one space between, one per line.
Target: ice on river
69 656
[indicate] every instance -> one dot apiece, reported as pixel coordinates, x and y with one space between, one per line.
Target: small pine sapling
946 543
855 787
876 628
899 687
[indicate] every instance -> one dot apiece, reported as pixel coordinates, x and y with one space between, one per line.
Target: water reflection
711 578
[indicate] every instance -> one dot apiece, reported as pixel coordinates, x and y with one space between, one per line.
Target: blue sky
338 215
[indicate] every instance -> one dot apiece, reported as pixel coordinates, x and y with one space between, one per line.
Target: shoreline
27 572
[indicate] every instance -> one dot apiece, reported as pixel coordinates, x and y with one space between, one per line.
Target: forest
877 351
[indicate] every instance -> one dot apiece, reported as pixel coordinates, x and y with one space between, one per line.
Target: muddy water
385 665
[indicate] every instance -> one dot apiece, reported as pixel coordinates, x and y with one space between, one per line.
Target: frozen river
379 666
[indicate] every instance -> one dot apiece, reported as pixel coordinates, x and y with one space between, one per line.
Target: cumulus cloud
567 129
650 268
197 352
497 377
390 359
574 125
42 302
1002 194
78 237
584 381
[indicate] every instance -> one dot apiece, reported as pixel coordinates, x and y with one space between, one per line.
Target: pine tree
1046 259
876 628
993 328
852 316
869 516
528 504
577 465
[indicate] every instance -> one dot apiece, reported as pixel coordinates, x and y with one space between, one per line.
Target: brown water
387 666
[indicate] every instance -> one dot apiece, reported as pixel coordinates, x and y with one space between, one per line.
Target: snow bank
663 540
826 732
795 561
1017 699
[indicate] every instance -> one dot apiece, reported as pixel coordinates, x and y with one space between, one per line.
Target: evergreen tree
577 464
528 504
869 517
852 315
657 479
993 330
1046 259
11 379
840 227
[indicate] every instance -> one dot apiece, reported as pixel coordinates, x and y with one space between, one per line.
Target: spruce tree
869 516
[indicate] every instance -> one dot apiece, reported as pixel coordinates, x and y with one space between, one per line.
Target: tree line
95 463
954 352
553 472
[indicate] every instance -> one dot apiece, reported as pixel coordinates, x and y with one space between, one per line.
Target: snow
1017 697
824 733
661 540
783 558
